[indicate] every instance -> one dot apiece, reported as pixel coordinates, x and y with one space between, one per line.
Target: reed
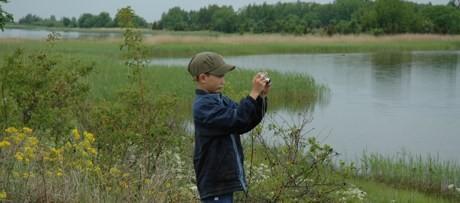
427 174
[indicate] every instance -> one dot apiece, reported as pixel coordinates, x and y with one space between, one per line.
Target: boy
218 155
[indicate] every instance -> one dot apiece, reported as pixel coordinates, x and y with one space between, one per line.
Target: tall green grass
379 192
289 91
405 170
111 75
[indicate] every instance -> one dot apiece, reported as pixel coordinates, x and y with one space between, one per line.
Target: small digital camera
266 78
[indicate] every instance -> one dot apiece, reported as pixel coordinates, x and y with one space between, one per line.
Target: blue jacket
218 157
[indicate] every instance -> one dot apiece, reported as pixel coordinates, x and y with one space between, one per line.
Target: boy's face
211 83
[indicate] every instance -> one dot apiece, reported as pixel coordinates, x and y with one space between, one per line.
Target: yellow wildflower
89 164
54 154
5 144
89 136
3 195
18 138
19 156
54 151
59 172
27 130
91 150
32 141
76 134
85 144
84 154
68 145
11 130
29 152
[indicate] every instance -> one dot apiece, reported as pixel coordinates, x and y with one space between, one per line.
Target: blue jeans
226 198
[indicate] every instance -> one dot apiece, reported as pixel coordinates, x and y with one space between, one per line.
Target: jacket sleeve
261 109
238 119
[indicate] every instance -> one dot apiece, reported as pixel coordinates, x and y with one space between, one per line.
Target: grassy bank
185 45
172 46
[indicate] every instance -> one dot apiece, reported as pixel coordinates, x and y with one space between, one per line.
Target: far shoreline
173 44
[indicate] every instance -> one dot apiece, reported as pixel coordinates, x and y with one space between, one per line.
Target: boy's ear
201 77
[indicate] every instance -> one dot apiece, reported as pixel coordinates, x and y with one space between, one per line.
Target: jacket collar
203 92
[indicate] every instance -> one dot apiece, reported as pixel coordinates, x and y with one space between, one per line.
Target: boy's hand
258 86
267 88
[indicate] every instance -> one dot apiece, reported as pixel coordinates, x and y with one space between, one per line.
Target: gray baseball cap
208 62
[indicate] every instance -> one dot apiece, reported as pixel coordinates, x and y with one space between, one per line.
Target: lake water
379 102
43 34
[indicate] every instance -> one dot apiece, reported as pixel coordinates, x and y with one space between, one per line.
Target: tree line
340 16
86 20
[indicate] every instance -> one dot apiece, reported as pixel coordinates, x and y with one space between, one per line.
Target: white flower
450 187
354 193
458 189
193 188
177 157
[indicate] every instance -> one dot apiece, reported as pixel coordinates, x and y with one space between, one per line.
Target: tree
444 18
30 19
392 15
4 16
174 19
66 21
53 18
139 21
125 17
51 22
102 20
156 26
454 3
345 8
292 25
73 22
224 19
86 20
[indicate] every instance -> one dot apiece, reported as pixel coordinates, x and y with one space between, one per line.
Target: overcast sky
149 9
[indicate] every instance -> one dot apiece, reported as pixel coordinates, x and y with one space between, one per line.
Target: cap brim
222 70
